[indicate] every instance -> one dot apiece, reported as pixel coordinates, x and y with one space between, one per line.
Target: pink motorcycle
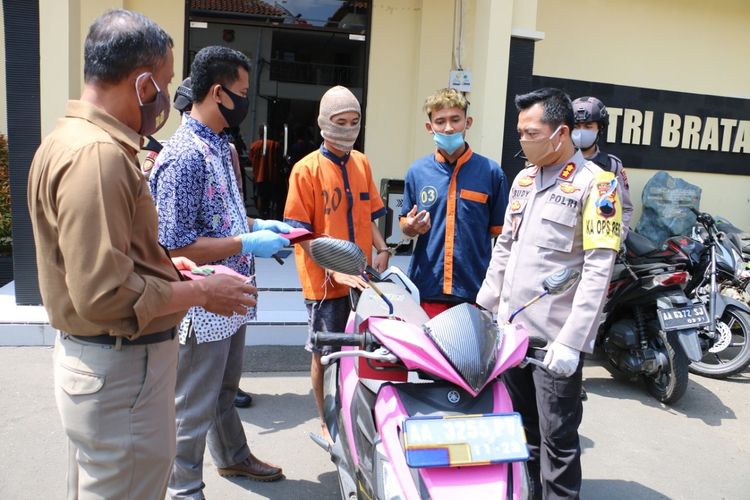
415 406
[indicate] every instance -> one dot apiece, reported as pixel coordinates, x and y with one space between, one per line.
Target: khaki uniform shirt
552 223
101 269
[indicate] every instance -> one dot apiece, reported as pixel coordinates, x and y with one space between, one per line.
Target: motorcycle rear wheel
670 384
735 357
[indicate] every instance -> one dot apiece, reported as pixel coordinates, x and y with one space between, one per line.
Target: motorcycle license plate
451 441
681 318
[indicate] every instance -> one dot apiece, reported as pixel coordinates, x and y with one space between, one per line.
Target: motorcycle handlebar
334 339
703 217
528 360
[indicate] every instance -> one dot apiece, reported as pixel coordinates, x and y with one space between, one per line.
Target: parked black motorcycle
737 243
717 281
649 326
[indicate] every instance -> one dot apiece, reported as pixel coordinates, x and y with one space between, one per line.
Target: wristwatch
381 250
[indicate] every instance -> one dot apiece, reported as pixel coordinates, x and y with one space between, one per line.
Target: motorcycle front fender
690 344
722 302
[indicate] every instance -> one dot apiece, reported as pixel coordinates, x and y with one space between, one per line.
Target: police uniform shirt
565 216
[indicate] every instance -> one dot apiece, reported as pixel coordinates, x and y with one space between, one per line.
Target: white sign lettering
712 133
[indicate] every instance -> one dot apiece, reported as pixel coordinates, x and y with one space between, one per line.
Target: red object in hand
299 234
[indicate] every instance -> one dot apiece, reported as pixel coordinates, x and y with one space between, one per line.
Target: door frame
243 22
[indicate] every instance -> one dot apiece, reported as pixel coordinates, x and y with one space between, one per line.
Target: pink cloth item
218 269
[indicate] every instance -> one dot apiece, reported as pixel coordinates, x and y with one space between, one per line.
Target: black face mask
241 105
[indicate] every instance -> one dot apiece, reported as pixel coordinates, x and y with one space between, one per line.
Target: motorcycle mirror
561 281
553 285
337 255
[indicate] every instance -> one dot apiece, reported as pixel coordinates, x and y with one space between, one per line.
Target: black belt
108 339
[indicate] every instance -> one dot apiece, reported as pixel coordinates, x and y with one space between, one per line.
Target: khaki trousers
117 409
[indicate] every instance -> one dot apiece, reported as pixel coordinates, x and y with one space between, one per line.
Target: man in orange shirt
331 191
266 162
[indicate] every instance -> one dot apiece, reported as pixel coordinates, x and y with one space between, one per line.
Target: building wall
3 108
58 22
61 63
679 45
397 66
411 55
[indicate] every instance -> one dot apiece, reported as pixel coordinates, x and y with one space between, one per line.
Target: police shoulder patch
602 215
568 171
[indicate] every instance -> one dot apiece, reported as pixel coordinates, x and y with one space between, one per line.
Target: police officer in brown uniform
564 212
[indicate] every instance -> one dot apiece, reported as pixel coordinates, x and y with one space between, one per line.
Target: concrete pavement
634 447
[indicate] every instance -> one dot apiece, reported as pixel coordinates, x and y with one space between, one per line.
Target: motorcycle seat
639 245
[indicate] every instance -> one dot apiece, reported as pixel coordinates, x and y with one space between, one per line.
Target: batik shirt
196 195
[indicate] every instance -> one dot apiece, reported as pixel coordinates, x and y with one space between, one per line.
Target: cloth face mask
538 150
235 115
154 114
583 138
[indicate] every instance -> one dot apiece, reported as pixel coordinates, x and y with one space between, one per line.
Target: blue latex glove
272 225
263 243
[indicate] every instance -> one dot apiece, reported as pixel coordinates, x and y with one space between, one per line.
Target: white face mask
583 138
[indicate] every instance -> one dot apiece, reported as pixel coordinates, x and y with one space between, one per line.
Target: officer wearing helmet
591 121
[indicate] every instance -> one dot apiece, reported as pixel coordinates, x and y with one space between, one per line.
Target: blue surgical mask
448 142
583 138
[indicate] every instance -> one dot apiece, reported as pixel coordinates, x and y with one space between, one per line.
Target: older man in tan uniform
564 212
107 285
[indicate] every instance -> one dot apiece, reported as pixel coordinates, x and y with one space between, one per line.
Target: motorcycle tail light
671 278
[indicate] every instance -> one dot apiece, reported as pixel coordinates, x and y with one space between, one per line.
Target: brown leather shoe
252 468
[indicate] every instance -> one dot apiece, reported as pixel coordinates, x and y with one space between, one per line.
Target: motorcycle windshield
468 339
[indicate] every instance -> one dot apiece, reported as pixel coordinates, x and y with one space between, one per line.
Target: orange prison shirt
336 197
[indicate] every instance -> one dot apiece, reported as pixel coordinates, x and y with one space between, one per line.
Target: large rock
666 207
